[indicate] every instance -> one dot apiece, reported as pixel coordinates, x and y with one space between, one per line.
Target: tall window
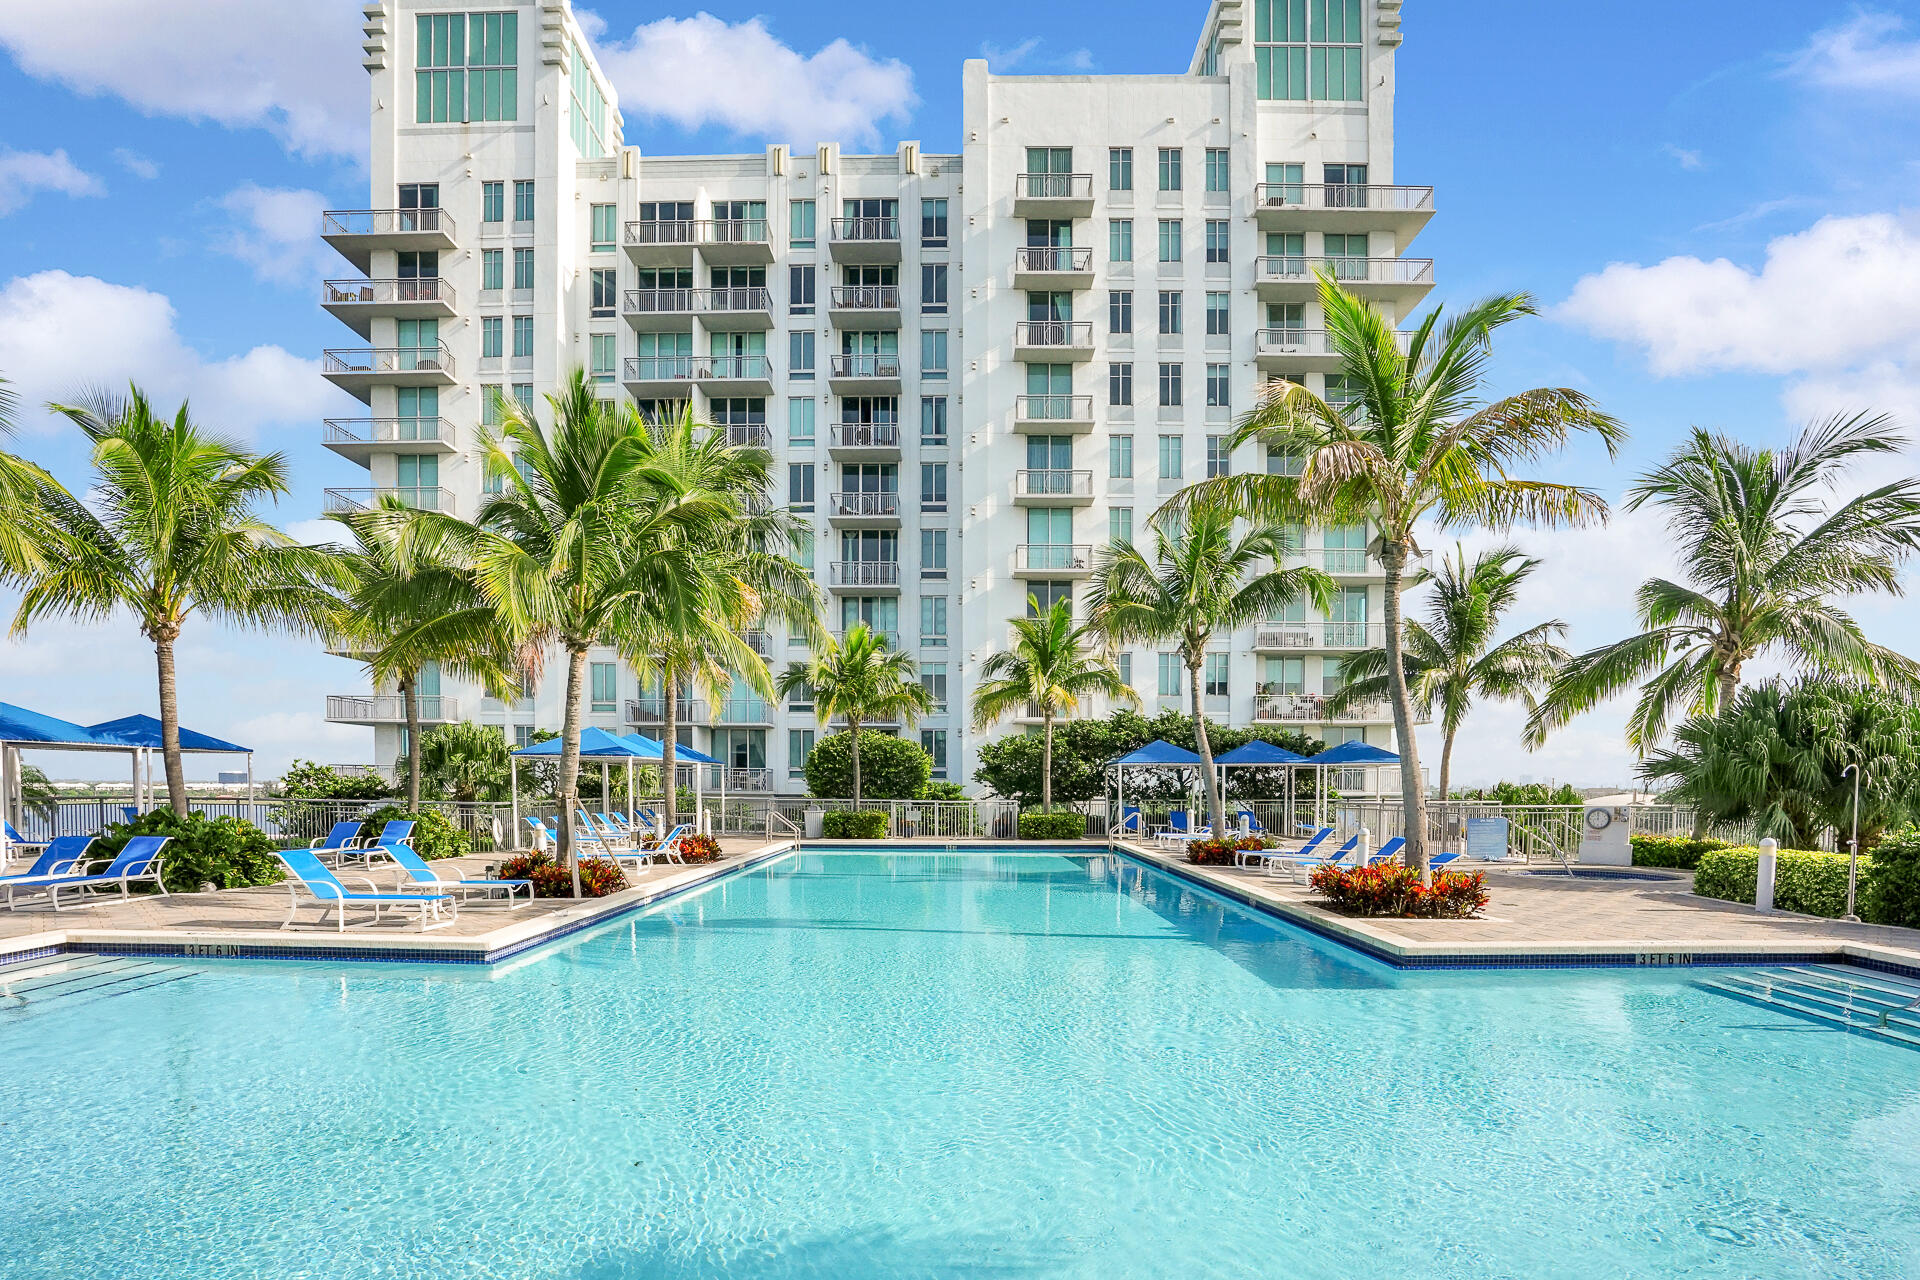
523 200
1171 462
1171 311
933 486
799 747
933 678
800 353
933 419
1119 384
1172 675
933 223
1169 168
606 685
1218 161
493 201
1216 675
1124 662
934 743
933 622
800 224
1217 311
800 298
523 336
1119 524
1217 238
1120 240
493 268
493 330
933 554
800 421
933 353
604 227
1308 49
1171 376
605 354
465 67
800 484
1120 457
588 117
1169 239
1120 311
1219 457
1217 382
933 288
1119 168
523 268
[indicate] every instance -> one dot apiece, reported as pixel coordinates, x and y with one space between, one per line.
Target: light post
1853 846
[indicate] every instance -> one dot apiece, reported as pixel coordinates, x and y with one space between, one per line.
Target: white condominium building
972 369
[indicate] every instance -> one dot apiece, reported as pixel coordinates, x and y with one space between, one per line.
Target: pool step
74 979
1869 1004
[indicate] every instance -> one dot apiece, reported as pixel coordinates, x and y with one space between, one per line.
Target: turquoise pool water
861 1066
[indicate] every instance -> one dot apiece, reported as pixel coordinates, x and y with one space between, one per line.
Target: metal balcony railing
739 298
742 711
389 708
659 368
377 292
735 369
1053 257
679 302
866 297
1053 408
1053 333
1338 195
378 222
749 435
872 503
865 573
1312 708
866 229
865 366
1053 484
387 359
651 708
1058 557
374 431
1289 267
761 642
365 498
866 435
1306 342
734 231
1055 186
745 779
1319 635
663 231
891 637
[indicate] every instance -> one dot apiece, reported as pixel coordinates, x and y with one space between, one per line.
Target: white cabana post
513 774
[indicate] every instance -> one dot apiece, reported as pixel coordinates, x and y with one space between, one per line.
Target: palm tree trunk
853 731
570 760
1393 558
1046 763
1446 763
410 691
1215 818
163 638
670 730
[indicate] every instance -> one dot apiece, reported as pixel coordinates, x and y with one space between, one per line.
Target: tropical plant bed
1222 853
699 848
598 876
1393 889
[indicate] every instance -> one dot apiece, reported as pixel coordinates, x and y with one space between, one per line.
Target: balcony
1052 560
358 370
652 709
865 508
864 575
1295 350
1313 206
660 310
1053 415
732 241
866 239
864 375
1041 266
742 711
865 441
652 377
356 234
737 308
734 375
745 779
1402 281
355 303
390 708
662 242
1298 637
370 496
748 435
1052 488
761 642
358 438
1053 340
1311 708
1052 195
892 639
864 306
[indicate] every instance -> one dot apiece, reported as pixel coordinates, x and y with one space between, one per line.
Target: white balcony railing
1311 708
1050 408
866 229
1319 635
651 708
1053 257
866 435
877 503
381 222
1289 268
865 573
370 293
1055 186
1053 484
1339 195
346 360
865 366
389 708
1054 557
865 297
377 431
667 231
1053 333
421 498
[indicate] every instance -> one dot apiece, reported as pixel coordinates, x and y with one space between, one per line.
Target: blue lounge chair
1248 857
319 880
64 857
1442 859
415 872
344 836
128 813
139 861
15 838
1129 821
605 840
1251 821
667 846
1302 867
395 831
1388 851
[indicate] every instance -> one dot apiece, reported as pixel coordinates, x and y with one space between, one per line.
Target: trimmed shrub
1060 825
598 876
1894 897
890 768
1681 852
862 824
1804 880
1221 853
224 852
434 835
1394 889
699 848
937 789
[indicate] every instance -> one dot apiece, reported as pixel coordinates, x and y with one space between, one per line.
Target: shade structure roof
144 731
1354 753
594 743
22 726
1158 752
654 750
1259 753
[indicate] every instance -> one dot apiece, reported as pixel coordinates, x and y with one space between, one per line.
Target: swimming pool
930 1066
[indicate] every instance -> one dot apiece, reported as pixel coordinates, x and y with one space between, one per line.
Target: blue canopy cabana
1158 754
606 747
144 732
1261 755
24 729
1347 753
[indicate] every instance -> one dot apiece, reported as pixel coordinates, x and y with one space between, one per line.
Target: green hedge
863 824
223 852
1682 852
1806 881
1895 896
1053 826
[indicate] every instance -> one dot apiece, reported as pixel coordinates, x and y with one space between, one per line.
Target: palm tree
20 481
1204 578
1454 659
1051 666
462 761
168 531
861 679
586 529
1765 560
1416 444
402 613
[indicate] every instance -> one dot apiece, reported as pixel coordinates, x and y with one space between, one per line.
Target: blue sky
1713 204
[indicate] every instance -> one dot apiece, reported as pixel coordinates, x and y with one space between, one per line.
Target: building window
1216 240
933 678
1120 457
522 736
1119 384
1124 662
1171 462
933 554
1170 168
800 484
1120 240
933 486
933 288
493 202
603 227
523 336
490 405
1216 675
492 337
523 200
1171 376
1219 456
605 356
1119 524
1218 166
933 223
606 689
933 353
800 224
523 269
1171 675
1217 311
799 747
606 291
465 67
1120 311
1294 60
493 269
1169 239
800 297
1218 396
1120 168
800 348
523 396
1170 311
934 743
933 622
1042 596
933 419
799 421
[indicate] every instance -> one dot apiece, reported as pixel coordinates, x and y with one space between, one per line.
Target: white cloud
275 231
1002 60
61 335
1683 157
136 164
1869 53
23 174
1005 61
669 70
291 66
